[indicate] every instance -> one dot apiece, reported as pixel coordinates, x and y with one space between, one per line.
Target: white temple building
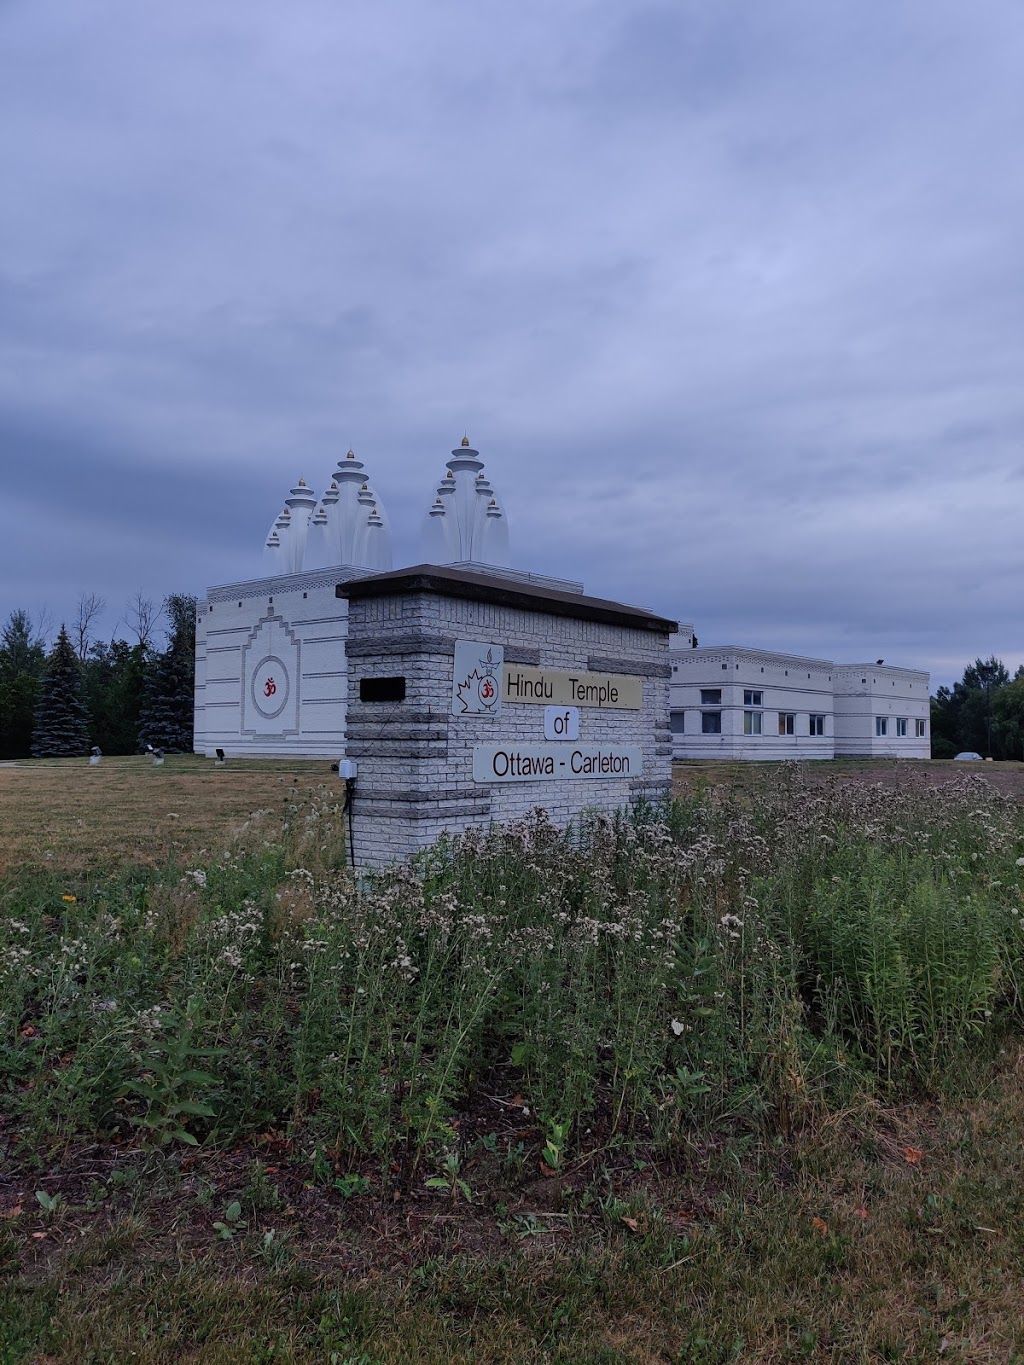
272 661
739 703
271 664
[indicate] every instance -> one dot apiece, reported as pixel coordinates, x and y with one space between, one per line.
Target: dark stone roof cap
503 592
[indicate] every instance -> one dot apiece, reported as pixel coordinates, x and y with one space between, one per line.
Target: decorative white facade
749 703
271 661
737 703
271 668
882 711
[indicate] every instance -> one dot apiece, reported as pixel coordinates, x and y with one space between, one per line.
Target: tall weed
712 961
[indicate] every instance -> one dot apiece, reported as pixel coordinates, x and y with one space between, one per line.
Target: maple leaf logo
478 692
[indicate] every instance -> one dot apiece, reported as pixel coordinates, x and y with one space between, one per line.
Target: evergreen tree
22 661
168 696
62 718
114 678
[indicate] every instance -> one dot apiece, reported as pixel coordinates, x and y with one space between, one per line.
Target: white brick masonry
415 759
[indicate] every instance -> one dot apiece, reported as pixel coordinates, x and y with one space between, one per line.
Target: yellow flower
70 899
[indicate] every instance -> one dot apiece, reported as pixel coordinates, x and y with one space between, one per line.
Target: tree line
62 699
982 713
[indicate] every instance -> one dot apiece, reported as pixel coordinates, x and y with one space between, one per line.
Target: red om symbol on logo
269 687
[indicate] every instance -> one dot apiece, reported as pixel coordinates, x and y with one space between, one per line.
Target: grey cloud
728 295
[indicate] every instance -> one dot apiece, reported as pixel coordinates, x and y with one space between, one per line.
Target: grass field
740 1080
127 812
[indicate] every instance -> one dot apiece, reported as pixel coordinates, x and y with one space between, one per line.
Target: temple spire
465 523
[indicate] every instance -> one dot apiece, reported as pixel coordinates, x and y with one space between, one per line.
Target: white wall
789 685
271 673
865 692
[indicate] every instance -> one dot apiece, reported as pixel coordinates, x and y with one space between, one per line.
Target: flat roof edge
431 578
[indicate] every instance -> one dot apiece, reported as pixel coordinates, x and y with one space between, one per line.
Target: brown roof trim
503 592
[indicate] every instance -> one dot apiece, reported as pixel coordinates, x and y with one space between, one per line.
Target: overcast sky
730 296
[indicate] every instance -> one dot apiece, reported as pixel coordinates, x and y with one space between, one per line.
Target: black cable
350 783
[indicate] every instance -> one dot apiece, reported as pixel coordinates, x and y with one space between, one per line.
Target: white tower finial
334 531
465 523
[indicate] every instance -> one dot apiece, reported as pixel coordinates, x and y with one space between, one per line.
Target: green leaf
142 1088
233 1211
190 1107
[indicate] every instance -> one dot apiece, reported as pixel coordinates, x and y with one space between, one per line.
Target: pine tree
166 721
22 662
62 719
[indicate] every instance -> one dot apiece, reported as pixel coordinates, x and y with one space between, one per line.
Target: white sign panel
514 762
561 722
476 683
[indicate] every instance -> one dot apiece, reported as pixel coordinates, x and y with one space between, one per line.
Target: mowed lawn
129 812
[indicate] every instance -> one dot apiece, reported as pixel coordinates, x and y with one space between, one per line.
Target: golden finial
302 483
365 487
333 484
465 440
350 454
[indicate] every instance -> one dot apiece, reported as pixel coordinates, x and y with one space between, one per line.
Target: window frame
706 719
816 724
749 727
787 723
881 727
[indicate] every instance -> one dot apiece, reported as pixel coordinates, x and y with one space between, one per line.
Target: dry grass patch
126 812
